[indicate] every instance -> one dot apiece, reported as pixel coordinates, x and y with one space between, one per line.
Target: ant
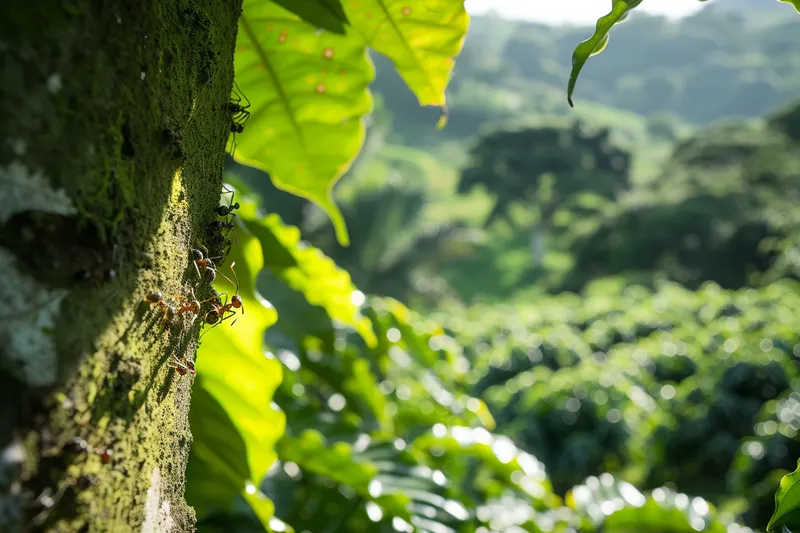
206 263
218 226
182 368
225 210
222 312
191 306
239 114
88 275
157 298
174 138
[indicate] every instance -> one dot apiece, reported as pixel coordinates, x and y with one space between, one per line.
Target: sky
574 11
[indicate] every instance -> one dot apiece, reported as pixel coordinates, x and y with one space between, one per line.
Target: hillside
717 64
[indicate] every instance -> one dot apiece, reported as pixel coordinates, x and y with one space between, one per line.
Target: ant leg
209 329
235 237
239 92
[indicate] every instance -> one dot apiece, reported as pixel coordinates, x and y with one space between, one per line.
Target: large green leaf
308 94
421 37
787 502
234 422
597 42
303 269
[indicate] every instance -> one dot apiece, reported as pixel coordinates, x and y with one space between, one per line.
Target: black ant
239 114
174 138
225 210
218 226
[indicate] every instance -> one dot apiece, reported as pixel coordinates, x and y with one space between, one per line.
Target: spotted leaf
308 90
421 37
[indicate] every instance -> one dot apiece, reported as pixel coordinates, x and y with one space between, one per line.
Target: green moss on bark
88 88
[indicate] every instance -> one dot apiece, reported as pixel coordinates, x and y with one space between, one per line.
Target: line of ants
219 308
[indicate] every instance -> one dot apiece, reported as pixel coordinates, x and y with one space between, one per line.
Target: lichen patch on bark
28 350
157 516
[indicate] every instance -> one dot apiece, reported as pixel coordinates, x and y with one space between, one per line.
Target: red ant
222 312
181 368
157 298
191 306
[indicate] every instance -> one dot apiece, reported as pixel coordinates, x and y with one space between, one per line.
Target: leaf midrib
407 46
282 96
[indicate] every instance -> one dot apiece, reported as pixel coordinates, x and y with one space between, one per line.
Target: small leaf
308 90
233 424
795 3
421 37
597 42
787 502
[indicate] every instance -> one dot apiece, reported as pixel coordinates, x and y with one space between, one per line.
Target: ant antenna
235 277
236 300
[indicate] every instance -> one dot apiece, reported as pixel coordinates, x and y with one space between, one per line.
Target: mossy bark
96 212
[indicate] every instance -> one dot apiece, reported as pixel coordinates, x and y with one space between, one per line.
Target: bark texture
97 212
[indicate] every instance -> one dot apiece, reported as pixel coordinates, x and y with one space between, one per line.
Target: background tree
544 168
718 211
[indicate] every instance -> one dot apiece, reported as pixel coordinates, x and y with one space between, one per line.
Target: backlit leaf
421 37
303 268
308 94
232 419
597 42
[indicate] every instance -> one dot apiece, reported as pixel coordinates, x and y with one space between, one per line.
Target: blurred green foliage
663 400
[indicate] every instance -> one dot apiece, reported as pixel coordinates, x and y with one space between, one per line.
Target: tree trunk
538 243
97 210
